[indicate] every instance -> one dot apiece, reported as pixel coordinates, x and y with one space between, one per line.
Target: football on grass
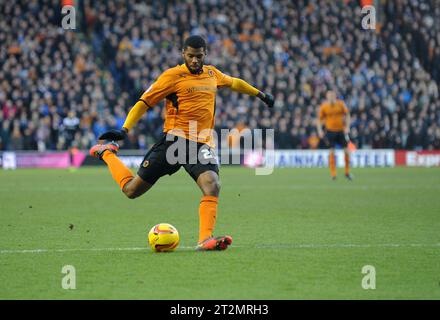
163 237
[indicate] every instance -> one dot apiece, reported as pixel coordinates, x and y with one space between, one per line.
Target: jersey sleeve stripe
145 103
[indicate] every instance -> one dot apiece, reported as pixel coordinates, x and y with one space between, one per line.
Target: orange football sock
120 173
347 164
207 216
332 164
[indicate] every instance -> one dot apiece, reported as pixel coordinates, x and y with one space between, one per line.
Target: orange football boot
98 149
215 243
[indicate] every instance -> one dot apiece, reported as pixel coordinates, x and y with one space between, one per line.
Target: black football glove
114 135
268 99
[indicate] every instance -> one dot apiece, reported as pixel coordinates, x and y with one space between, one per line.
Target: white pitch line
349 245
268 246
79 250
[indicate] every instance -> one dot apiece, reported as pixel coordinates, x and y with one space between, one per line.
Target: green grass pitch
297 235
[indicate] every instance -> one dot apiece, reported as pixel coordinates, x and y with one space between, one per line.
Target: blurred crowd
63 88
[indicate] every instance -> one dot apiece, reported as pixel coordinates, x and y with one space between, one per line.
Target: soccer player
189 90
336 117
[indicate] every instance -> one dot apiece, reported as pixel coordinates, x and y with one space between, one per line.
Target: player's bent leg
135 187
107 153
131 186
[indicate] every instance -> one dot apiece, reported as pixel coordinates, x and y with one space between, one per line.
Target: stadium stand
62 88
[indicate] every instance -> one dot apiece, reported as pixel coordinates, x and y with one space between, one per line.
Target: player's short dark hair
194 42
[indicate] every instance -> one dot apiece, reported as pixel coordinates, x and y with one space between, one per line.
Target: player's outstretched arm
242 86
163 86
132 118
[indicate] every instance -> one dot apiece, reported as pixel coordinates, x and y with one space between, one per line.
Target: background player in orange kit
189 90
334 114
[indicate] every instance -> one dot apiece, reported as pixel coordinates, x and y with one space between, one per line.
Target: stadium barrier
32 159
320 158
423 158
358 159
280 158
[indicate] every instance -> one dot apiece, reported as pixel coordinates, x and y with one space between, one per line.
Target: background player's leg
209 183
136 187
347 163
332 163
344 139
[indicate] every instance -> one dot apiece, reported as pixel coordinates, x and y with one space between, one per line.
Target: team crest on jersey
211 73
146 163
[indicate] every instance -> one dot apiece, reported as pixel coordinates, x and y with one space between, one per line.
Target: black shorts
334 138
196 158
